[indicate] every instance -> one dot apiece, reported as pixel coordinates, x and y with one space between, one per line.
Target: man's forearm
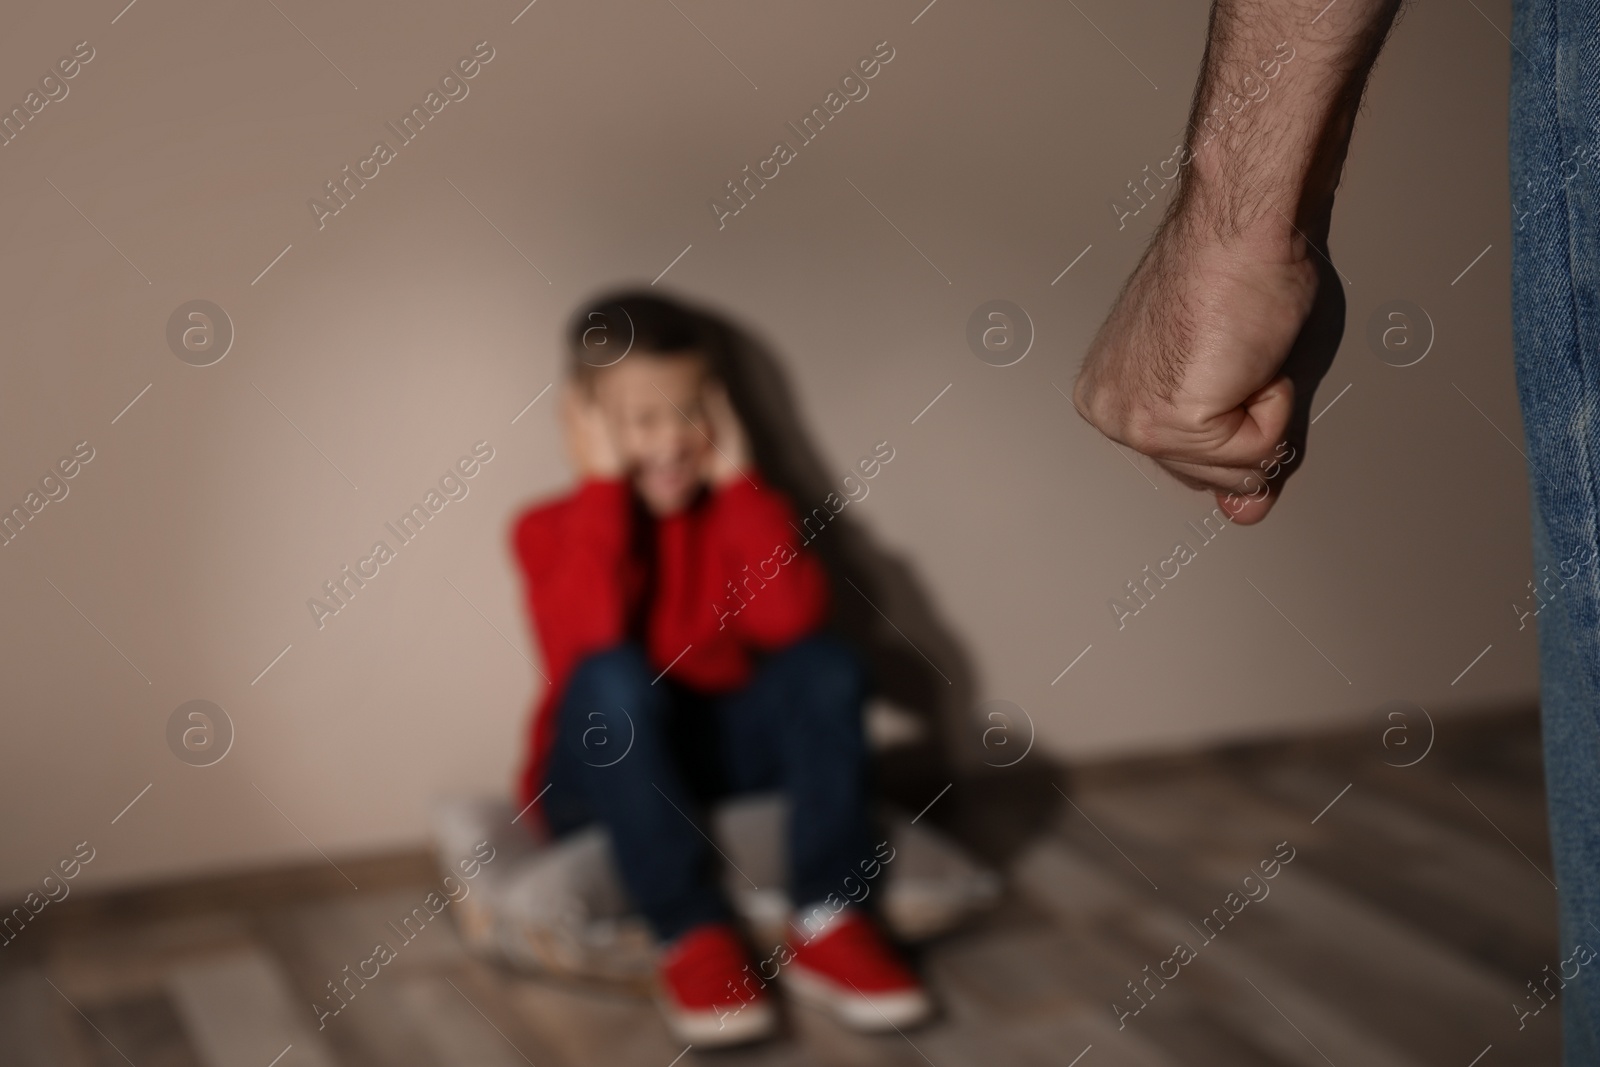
1273 110
1211 356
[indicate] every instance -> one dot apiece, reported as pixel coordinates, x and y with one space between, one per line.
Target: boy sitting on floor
661 699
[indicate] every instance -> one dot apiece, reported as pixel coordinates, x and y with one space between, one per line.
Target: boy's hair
613 326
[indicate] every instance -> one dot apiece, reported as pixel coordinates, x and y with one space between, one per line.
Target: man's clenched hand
1209 358
1211 354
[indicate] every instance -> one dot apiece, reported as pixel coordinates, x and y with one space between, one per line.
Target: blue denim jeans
645 757
1555 282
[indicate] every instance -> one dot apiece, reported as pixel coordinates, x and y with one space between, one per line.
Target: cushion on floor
558 908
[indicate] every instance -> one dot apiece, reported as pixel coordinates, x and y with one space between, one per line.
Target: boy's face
652 403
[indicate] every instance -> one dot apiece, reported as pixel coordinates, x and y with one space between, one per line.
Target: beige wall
407 329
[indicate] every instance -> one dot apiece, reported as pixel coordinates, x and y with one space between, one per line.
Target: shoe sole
868 1013
708 1029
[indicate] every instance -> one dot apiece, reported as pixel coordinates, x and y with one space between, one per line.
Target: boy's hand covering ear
589 440
728 460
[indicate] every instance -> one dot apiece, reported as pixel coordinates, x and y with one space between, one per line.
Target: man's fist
1209 358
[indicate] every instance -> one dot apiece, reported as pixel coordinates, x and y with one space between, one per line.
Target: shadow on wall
917 663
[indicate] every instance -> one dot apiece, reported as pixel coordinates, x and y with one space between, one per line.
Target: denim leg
798 725
615 761
1555 276
1568 706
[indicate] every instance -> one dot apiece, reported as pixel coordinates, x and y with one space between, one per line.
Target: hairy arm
1210 356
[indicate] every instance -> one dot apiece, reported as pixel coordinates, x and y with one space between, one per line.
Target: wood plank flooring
1415 909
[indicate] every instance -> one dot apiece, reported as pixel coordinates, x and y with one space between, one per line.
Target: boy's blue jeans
643 756
1555 281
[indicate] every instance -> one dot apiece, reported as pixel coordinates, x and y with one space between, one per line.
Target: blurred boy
662 698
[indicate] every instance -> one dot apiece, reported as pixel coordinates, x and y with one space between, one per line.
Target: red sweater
730 578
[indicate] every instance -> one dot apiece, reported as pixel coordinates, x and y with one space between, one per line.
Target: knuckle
1143 432
1086 400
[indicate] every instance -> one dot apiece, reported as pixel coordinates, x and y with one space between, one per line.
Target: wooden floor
1414 911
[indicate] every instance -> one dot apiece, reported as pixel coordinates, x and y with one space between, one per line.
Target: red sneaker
850 970
708 992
